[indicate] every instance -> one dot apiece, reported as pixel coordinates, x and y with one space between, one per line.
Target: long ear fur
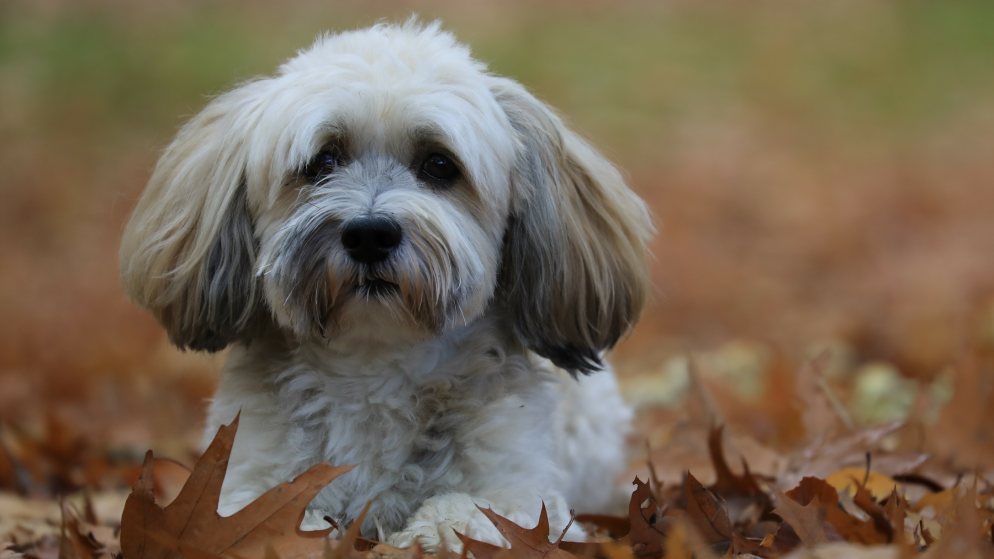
574 272
189 251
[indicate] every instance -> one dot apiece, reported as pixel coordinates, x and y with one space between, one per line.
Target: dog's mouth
376 287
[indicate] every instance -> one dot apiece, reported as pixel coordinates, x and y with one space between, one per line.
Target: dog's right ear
189 250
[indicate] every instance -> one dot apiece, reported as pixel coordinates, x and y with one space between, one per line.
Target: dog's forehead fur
381 90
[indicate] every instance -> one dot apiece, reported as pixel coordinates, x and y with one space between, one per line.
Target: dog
417 268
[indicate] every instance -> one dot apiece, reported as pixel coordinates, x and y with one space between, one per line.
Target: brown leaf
881 523
940 501
73 544
528 542
745 501
807 519
812 488
643 535
727 482
480 550
706 512
345 548
614 550
896 511
819 494
964 535
191 524
615 526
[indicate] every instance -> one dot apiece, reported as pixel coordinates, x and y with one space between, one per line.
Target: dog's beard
312 284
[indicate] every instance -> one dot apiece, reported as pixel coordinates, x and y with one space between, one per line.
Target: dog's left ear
574 273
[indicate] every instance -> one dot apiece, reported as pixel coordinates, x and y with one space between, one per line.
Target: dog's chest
406 435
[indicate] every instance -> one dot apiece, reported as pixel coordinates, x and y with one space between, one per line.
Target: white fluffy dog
411 259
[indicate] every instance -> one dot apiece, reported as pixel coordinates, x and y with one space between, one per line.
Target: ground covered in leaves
789 471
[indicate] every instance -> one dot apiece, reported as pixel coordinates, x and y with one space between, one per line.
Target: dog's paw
435 524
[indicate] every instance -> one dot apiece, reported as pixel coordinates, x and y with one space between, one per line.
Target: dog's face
384 185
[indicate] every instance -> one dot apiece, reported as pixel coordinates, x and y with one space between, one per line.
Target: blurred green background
821 172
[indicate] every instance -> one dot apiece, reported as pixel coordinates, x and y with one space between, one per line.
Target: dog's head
384 175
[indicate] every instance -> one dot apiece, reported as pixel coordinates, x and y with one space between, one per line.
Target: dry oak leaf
190 525
706 512
816 495
644 533
74 544
727 482
643 530
878 516
526 543
965 534
896 510
807 520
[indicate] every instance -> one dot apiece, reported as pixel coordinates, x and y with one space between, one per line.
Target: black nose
371 240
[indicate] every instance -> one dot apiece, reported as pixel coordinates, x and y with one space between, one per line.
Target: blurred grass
887 68
819 170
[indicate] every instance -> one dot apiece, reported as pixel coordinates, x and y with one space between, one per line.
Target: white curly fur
448 389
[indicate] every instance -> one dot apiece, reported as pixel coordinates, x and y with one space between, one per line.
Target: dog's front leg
439 517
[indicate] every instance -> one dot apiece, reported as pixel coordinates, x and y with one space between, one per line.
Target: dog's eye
323 164
439 168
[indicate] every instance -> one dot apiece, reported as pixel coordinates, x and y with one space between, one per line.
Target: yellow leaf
848 479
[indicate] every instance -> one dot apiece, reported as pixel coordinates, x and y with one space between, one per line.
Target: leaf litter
810 482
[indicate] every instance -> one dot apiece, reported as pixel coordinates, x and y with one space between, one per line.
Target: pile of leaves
832 489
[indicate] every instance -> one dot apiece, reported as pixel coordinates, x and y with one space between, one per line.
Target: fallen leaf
822 457
812 489
964 534
190 523
806 520
896 511
881 523
482 550
614 550
644 536
615 527
818 493
344 548
727 482
848 479
706 513
73 545
526 543
941 501
844 550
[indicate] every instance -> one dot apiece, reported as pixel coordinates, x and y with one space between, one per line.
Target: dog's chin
376 314
376 289
373 310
